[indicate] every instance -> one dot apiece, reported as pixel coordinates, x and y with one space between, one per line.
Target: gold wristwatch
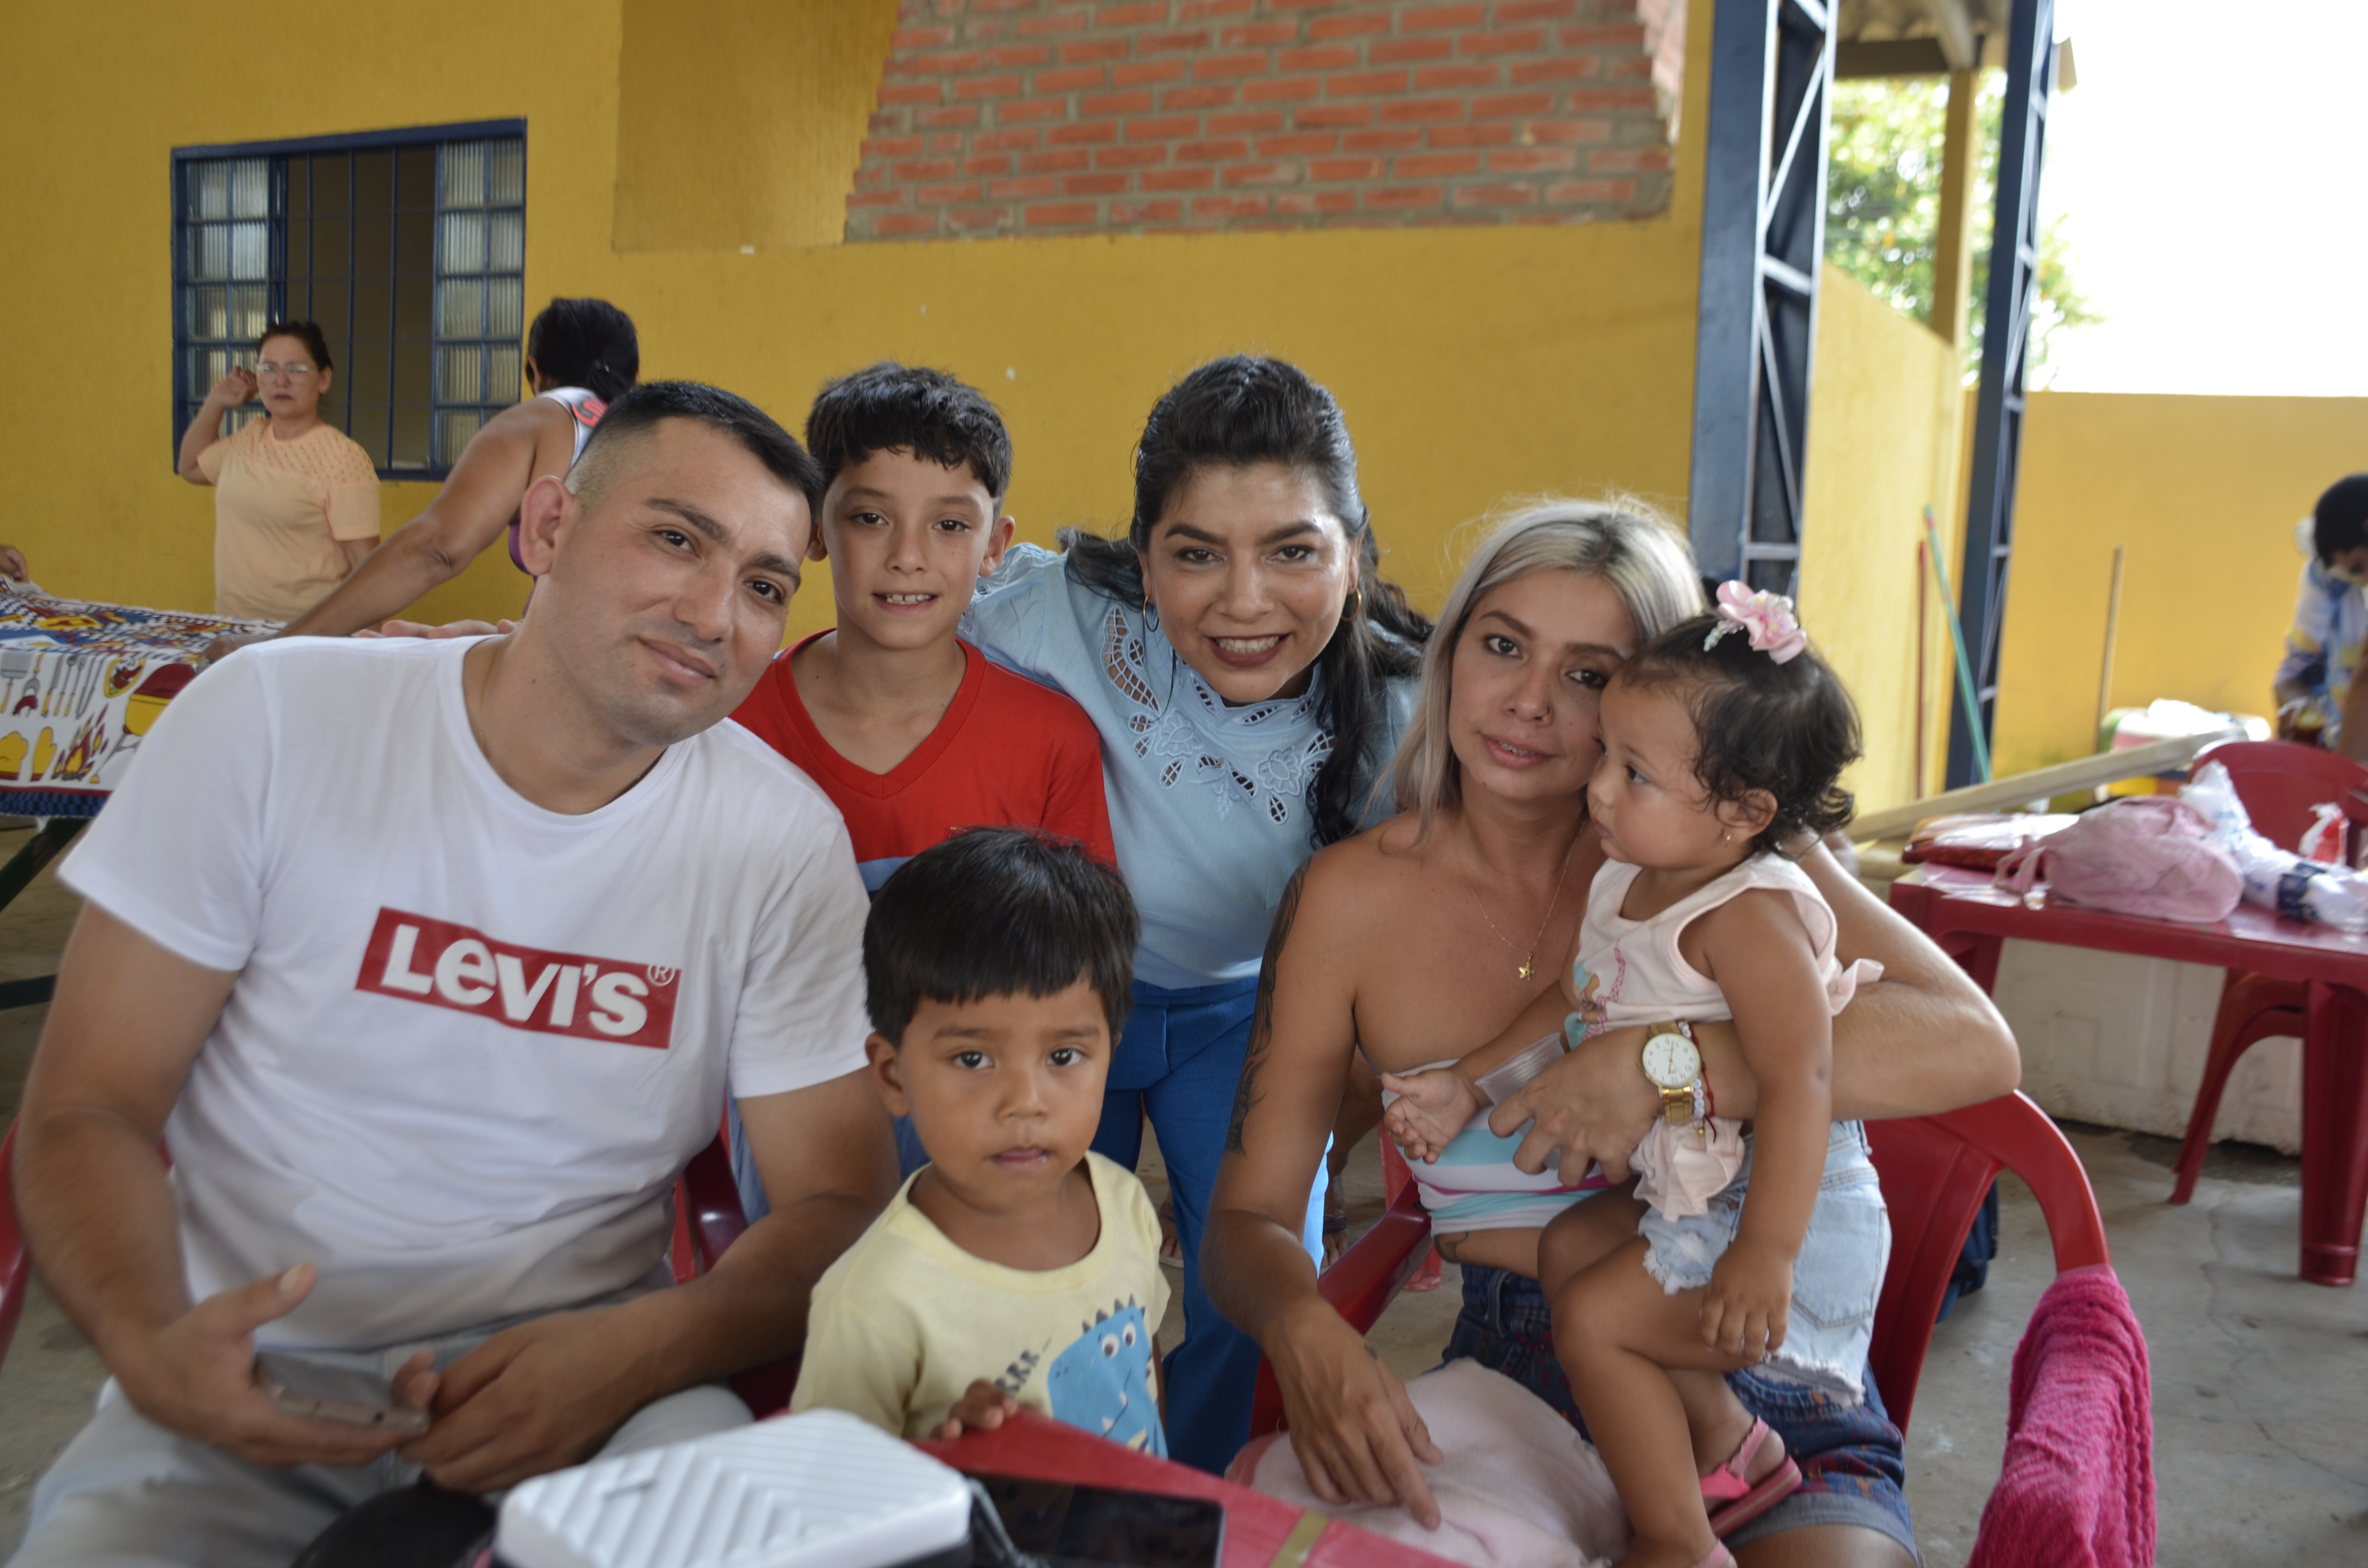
1673 1062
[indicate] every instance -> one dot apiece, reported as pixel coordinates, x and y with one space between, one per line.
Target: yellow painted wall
1473 364
2205 492
1476 365
1884 444
740 122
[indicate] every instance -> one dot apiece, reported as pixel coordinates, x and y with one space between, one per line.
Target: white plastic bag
2323 840
2278 879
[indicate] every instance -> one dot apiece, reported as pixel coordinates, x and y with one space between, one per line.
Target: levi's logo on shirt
447 965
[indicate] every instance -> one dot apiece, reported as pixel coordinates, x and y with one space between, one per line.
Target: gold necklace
1529 954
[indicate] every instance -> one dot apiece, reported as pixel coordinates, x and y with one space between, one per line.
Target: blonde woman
295 499
1432 934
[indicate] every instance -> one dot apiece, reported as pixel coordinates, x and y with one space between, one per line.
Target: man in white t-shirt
430 964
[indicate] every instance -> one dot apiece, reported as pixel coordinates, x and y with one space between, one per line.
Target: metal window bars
480 286
409 255
226 274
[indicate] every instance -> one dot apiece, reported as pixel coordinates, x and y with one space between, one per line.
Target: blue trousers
1180 1061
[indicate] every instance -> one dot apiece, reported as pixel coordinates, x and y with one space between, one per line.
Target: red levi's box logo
445 965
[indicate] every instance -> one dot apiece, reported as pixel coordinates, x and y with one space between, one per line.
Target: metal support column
2005 342
1763 233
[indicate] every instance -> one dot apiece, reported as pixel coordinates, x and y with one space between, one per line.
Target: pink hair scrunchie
1767 617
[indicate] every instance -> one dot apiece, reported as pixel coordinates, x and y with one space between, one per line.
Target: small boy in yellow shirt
1018 1268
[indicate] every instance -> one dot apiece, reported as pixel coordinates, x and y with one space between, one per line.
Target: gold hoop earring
1356 602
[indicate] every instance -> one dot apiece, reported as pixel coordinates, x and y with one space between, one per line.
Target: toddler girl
1722 739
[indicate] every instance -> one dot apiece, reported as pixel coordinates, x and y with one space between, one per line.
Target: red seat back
707 1220
2279 781
1935 1171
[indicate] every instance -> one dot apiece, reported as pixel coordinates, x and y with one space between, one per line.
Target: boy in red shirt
910 730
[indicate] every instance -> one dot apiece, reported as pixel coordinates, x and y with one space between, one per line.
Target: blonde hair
1622 541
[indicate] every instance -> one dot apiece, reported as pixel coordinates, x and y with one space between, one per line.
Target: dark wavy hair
929 414
1241 410
997 911
1788 730
587 342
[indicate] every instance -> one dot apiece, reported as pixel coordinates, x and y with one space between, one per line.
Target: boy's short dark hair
926 413
1787 729
997 911
646 406
2339 521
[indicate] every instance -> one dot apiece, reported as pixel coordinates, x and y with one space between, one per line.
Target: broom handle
1964 665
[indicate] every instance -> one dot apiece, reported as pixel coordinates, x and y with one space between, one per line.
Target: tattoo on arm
1246 1093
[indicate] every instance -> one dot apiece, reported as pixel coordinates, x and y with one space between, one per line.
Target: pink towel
2078 1485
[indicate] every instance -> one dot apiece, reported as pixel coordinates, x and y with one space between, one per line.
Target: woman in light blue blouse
1249 672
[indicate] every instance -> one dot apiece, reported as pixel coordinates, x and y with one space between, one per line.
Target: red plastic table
1969 917
1260 1531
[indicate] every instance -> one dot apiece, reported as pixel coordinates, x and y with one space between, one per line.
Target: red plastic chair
1935 1170
1359 1286
707 1220
2278 783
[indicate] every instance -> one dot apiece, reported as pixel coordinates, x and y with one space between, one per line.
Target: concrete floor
2261 1382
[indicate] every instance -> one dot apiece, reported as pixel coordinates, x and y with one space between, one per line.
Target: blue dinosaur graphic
1103 1380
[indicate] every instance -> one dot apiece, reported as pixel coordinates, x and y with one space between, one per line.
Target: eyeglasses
265 370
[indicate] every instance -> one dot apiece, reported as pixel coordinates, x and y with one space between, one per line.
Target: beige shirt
280 508
904 1320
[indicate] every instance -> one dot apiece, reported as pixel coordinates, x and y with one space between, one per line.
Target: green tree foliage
1883 206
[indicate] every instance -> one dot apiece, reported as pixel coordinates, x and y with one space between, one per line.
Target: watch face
1671 1060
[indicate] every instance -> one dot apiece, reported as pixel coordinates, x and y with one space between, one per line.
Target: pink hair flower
1767 617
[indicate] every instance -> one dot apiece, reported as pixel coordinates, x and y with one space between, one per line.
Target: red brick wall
1029 117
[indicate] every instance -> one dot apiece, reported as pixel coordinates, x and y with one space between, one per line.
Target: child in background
1016 1267
910 730
1722 739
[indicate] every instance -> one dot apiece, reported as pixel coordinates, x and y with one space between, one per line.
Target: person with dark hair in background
1249 671
2323 648
295 499
438 958
581 355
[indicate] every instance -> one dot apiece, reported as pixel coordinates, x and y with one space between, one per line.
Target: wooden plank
2042 784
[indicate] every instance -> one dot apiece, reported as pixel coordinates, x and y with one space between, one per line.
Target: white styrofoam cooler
2120 1039
821 1490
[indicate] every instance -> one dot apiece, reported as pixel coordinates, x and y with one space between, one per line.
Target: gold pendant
1525 972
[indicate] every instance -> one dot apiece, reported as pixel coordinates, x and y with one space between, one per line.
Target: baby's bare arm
1541 1017
1436 1104
1758 950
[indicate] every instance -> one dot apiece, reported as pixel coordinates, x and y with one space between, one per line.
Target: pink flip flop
1732 1499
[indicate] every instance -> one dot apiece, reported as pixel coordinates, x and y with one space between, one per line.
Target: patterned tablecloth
80 683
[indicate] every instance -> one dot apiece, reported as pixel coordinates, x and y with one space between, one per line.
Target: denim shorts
1852 1459
1835 1278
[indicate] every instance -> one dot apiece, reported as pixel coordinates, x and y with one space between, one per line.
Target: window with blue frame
407 248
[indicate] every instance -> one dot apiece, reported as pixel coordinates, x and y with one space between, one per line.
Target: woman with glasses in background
295 499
